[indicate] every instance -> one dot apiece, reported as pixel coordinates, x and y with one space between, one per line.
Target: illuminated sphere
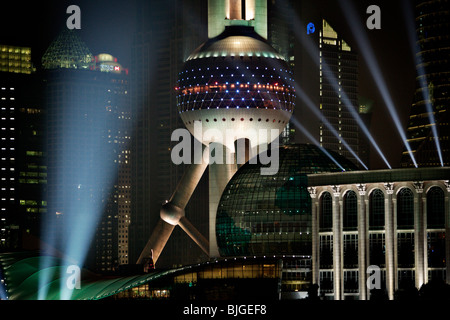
236 81
271 214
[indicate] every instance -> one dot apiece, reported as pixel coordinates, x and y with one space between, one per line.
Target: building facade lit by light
396 220
88 130
431 99
338 63
23 171
16 59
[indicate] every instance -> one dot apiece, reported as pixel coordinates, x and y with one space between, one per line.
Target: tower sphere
236 81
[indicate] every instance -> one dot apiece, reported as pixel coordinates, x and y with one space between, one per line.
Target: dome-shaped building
266 215
67 51
236 81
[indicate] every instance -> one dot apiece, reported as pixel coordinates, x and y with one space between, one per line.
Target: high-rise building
88 134
23 171
338 91
14 59
428 126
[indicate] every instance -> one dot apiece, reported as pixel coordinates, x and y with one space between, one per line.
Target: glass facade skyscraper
338 92
88 123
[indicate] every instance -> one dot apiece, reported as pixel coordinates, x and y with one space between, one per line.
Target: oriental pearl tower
234 82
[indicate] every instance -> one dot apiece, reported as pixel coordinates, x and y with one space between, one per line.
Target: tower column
315 234
337 244
389 241
424 239
362 235
220 173
367 244
419 236
447 231
395 240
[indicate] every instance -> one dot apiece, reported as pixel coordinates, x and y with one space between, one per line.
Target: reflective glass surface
271 214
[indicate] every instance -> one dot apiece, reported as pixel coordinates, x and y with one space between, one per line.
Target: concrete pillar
194 234
395 239
261 18
424 238
157 241
218 11
447 231
389 240
219 176
169 218
419 236
362 238
315 254
366 241
337 245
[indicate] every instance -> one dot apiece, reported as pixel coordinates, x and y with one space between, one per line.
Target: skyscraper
88 117
23 171
428 126
338 81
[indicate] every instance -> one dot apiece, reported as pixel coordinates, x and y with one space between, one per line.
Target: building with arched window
396 220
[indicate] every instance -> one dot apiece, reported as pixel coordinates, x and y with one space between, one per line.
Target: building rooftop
67 51
374 176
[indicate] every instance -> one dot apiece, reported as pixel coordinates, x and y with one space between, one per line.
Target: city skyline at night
116 162
109 26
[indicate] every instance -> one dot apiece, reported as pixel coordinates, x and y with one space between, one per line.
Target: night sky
108 26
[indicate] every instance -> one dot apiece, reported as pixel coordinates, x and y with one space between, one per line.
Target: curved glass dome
67 51
267 215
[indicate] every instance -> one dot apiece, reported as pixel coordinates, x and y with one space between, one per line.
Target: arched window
435 208
436 220
350 211
376 210
405 209
326 212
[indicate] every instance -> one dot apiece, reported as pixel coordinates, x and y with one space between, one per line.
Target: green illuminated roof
67 51
22 273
